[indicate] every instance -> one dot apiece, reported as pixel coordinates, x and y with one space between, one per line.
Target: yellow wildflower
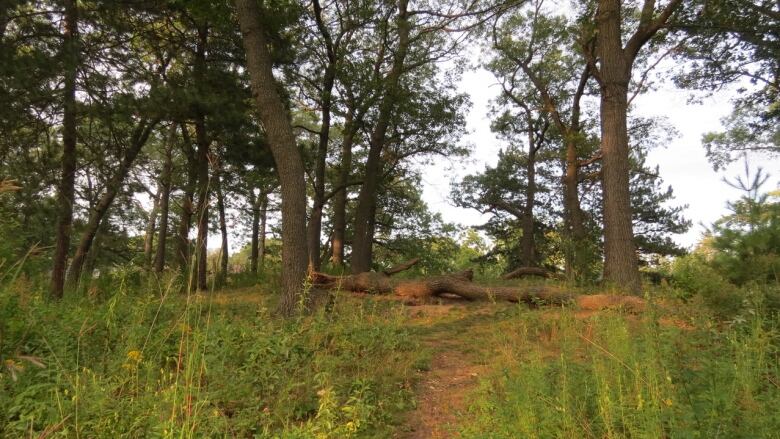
135 356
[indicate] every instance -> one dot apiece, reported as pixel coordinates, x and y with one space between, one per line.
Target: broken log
526 271
460 284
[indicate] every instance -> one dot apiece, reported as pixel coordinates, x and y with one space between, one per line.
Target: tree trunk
165 196
223 260
261 237
183 250
340 198
66 190
94 252
527 245
460 285
329 78
289 163
574 220
151 227
258 230
620 258
140 136
255 203
201 138
363 240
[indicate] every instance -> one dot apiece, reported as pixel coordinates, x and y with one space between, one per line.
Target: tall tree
535 55
187 205
165 195
613 73
141 133
151 228
66 191
366 204
224 255
203 142
281 139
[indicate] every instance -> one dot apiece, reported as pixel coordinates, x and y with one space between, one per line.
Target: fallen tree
461 285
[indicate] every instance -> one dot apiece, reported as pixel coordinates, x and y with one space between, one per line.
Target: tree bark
185 222
224 255
329 78
363 240
165 196
140 135
258 230
255 203
340 199
574 219
620 258
151 228
614 74
527 244
262 231
573 216
66 190
289 163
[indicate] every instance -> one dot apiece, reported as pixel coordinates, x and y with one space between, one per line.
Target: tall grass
158 363
613 376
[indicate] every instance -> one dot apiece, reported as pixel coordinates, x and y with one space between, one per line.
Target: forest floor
368 366
455 363
459 339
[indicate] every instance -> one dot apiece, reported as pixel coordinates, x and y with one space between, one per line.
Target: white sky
682 163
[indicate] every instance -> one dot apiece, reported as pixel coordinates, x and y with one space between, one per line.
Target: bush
692 275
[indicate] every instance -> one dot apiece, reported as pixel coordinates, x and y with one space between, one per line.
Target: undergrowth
558 375
157 363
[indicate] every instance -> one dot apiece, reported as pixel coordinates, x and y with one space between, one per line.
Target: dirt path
451 334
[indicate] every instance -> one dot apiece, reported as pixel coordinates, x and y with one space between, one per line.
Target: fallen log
526 271
460 284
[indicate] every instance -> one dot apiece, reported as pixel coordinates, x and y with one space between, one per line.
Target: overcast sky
682 163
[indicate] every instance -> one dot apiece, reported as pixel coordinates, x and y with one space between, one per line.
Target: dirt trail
451 333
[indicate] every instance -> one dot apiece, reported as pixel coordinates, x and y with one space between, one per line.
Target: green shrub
693 275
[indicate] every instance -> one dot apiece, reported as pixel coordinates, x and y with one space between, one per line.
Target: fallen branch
526 271
401 267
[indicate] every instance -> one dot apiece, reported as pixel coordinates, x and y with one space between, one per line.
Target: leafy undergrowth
221 365
563 374
216 365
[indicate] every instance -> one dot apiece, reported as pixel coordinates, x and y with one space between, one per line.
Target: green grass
148 361
617 376
217 365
